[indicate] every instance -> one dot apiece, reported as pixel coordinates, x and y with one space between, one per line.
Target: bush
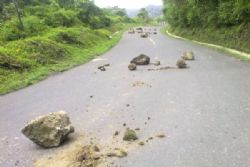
32 26
61 17
10 62
44 51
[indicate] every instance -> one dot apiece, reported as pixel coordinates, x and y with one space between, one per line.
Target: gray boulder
141 60
49 130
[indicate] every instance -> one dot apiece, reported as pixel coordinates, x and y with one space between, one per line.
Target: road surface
203 110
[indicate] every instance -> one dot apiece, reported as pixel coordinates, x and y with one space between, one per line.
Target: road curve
203 110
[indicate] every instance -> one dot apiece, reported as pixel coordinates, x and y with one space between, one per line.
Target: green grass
218 39
27 61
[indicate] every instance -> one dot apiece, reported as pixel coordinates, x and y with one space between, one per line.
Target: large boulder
141 60
49 130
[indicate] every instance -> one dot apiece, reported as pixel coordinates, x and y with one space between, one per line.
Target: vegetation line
219 47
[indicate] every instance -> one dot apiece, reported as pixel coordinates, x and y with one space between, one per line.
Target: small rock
106 65
124 124
188 56
144 35
116 133
150 138
130 135
102 68
141 143
49 130
142 59
160 136
157 63
137 129
181 63
132 67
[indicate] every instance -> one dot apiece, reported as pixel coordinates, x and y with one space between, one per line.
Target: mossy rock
130 135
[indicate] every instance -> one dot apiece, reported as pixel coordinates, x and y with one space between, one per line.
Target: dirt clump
130 135
88 156
117 152
181 63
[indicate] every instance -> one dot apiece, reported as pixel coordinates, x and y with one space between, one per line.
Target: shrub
44 51
10 62
61 17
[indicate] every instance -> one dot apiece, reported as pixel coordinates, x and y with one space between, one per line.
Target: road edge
235 53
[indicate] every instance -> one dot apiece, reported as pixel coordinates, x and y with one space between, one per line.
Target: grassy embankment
27 61
235 41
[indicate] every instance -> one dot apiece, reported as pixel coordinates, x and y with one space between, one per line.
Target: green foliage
143 16
61 17
223 22
44 51
198 13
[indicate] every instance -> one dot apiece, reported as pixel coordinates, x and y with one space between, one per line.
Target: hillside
51 36
225 23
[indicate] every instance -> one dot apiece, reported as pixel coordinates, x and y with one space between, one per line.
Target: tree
144 15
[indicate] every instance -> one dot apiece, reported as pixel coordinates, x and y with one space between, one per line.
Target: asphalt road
203 110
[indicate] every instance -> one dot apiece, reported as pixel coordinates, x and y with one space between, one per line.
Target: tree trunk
18 15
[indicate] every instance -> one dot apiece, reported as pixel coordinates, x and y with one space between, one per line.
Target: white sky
129 4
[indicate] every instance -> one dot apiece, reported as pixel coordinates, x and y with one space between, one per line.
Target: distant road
203 110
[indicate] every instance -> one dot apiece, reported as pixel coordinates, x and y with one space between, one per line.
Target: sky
128 4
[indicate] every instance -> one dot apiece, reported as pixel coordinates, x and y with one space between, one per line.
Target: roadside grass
240 51
27 61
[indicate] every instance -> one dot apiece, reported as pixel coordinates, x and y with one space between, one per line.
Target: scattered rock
102 68
132 67
49 130
157 63
188 56
137 129
106 65
144 35
141 143
130 135
149 118
140 83
116 133
142 59
150 138
160 136
155 33
124 124
127 105
181 63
